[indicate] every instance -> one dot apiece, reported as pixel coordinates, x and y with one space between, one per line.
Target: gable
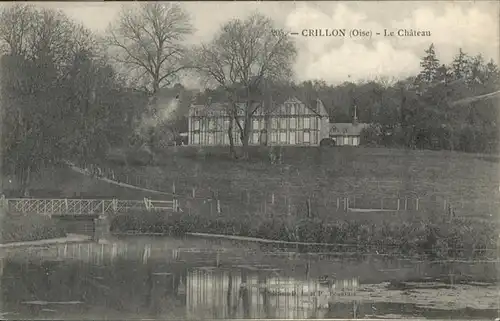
294 106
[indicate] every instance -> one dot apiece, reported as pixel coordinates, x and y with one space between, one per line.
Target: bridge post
102 226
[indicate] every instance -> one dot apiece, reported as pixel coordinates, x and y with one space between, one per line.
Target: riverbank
69 239
433 237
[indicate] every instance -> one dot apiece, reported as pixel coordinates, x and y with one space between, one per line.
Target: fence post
4 202
338 203
272 198
382 203
173 188
416 204
444 205
218 206
406 203
398 204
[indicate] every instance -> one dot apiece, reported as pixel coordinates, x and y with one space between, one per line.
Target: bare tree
148 42
242 57
16 24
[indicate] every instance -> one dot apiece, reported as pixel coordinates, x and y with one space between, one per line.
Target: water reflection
130 280
256 294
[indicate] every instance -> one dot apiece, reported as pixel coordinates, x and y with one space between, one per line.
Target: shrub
29 227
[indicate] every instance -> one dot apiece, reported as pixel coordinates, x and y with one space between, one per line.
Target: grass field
369 176
319 176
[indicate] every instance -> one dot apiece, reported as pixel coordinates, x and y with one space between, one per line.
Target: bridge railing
68 206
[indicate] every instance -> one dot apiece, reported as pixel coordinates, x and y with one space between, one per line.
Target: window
351 141
226 124
293 123
299 136
355 141
255 139
306 137
196 125
283 137
314 123
283 123
346 140
307 124
298 109
196 139
275 123
292 109
274 137
256 124
292 138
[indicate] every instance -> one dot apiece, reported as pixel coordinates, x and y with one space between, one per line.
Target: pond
174 278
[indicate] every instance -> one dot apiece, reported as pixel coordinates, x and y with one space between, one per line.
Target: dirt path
110 181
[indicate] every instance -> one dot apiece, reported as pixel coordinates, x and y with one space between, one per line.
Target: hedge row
426 237
25 227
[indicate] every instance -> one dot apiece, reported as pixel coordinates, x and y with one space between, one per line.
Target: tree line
68 93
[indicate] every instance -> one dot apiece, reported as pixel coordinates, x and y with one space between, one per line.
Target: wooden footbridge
79 207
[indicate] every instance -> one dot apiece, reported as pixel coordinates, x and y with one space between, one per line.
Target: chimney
355 118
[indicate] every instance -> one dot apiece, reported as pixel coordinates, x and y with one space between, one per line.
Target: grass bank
430 238
28 227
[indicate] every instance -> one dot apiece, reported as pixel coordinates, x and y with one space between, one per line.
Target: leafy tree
38 52
59 99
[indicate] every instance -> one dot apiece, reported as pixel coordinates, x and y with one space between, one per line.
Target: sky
472 26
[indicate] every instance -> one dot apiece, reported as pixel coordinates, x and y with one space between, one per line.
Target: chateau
292 122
